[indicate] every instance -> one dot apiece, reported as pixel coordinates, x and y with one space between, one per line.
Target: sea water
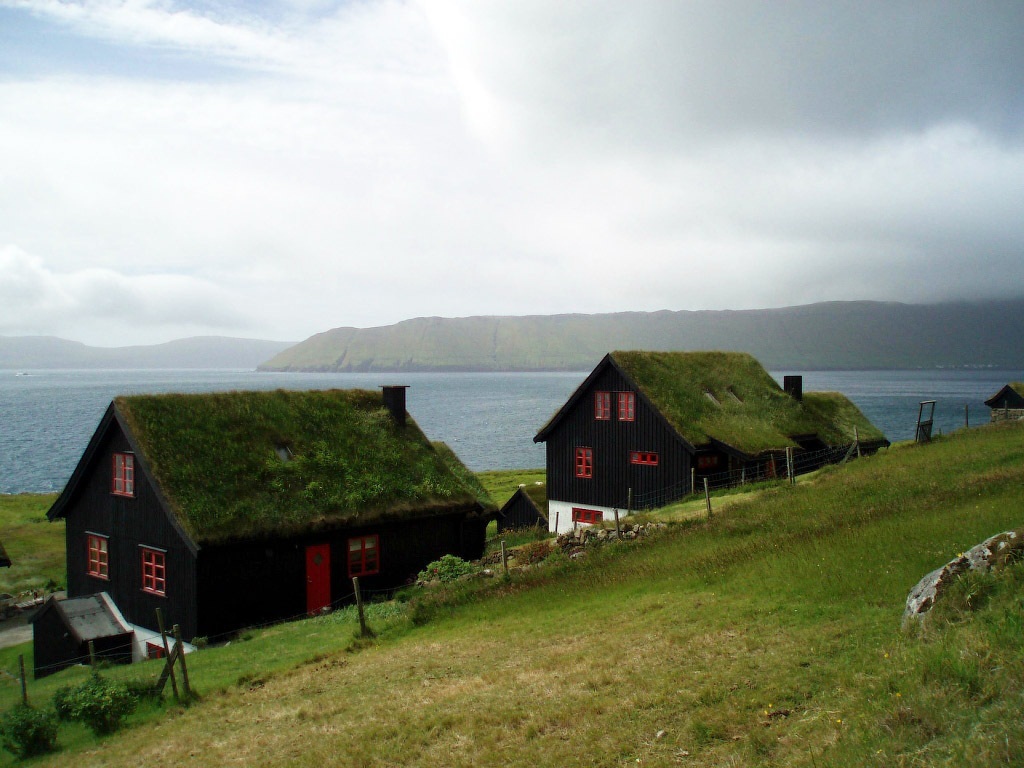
489 419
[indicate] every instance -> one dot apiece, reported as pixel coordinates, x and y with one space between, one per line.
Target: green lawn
35 545
769 635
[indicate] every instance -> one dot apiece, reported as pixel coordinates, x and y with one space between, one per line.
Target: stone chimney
794 386
394 401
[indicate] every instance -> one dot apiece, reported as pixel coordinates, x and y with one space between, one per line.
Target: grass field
35 545
768 635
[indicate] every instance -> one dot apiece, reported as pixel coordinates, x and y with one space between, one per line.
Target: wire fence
773 468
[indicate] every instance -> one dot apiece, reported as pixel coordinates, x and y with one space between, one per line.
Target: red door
318 577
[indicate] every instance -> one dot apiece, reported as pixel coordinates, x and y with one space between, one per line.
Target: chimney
794 386
394 401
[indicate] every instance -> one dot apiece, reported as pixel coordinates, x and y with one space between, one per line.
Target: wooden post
92 654
693 479
363 630
169 665
967 420
179 649
504 559
707 497
789 465
629 503
618 531
24 685
856 439
558 512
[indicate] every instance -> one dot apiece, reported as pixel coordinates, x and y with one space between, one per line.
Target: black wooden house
232 509
1008 402
526 508
645 426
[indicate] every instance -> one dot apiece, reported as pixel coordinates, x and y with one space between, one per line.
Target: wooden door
318 577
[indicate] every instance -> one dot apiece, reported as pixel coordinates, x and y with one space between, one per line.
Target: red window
584 462
123 479
643 457
99 564
602 406
707 462
627 406
154 571
590 516
364 555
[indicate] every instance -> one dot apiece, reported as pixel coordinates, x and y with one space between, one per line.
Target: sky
275 169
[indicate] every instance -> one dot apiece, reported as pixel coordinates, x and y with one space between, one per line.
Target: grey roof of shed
89 618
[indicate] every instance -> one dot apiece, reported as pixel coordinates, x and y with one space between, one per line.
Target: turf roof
730 397
239 464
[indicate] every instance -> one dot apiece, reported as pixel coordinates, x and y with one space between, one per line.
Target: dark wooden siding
612 441
519 512
128 524
259 582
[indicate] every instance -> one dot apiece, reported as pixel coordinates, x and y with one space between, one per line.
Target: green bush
448 568
27 731
100 704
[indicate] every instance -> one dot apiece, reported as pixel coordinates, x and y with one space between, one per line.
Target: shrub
534 552
100 704
27 731
448 568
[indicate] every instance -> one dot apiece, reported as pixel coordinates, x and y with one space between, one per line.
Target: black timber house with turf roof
645 427
1008 402
526 508
234 509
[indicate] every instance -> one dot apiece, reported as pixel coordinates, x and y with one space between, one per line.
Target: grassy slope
847 334
35 546
767 636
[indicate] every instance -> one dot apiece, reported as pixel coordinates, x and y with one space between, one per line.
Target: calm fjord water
489 419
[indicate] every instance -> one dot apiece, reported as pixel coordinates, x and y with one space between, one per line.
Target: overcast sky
279 168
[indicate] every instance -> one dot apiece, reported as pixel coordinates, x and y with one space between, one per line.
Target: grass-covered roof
730 397
240 464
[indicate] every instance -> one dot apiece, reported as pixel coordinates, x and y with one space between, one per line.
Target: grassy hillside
860 334
769 635
35 545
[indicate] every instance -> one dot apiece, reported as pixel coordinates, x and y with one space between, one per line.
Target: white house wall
560 514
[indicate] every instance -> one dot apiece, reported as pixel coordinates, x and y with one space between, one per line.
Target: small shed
527 508
1008 402
63 629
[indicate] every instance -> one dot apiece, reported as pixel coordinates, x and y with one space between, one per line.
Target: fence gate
924 426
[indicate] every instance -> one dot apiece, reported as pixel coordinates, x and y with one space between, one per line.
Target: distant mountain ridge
50 352
831 335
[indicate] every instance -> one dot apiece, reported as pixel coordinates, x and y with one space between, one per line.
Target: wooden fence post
707 497
169 665
789 465
92 654
693 479
364 631
856 439
967 420
24 685
618 530
179 649
504 559
629 503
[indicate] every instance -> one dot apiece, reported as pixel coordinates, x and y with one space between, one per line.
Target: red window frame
154 571
588 516
627 406
98 560
602 406
585 462
707 462
364 555
122 476
647 458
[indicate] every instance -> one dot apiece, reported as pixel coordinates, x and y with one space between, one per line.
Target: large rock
991 553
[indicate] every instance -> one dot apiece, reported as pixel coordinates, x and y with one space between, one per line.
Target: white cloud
320 164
